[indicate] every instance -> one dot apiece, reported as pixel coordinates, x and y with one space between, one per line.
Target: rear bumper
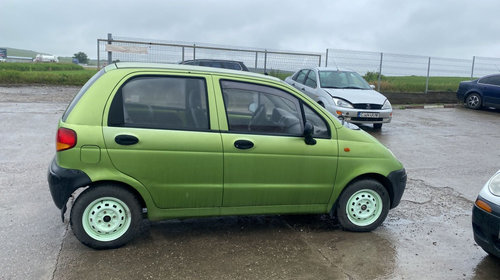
486 227
398 182
63 182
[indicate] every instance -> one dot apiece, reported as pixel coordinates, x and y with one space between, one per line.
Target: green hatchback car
175 141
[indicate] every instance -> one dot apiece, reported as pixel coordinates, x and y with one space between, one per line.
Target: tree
82 57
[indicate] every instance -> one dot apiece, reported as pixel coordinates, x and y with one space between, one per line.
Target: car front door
159 131
266 161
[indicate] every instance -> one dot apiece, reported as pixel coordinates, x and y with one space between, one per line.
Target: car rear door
158 129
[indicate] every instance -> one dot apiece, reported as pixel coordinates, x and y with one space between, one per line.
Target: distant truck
45 58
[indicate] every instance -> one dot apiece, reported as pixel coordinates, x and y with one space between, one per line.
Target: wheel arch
386 183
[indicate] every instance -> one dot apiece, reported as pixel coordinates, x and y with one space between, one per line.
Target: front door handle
303 88
243 144
126 140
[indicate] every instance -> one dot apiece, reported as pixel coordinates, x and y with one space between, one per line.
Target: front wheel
363 206
105 217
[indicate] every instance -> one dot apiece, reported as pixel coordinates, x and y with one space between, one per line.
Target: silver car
345 94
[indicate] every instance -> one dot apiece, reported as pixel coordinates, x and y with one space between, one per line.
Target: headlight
342 103
387 105
494 184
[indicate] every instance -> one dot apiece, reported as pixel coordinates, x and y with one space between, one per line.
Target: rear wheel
105 217
473 101
363 206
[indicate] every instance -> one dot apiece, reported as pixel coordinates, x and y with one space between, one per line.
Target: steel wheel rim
364 207
106 219
473 101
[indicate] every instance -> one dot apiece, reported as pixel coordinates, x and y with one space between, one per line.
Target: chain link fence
257 60
401 65
420 73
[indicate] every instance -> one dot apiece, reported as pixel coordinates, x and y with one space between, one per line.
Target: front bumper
398 185
355 115
486 227
63 182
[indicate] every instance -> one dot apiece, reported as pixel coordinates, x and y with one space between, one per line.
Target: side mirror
372 86
308 134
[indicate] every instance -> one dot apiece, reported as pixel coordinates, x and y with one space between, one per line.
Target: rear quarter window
82 91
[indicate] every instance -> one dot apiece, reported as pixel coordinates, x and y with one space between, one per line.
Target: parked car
177 141
482 92
218 63
486 216
345 94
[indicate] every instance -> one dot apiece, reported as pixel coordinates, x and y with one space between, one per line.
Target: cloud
431 28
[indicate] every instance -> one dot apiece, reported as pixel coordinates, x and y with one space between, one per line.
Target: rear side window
82 91
161 102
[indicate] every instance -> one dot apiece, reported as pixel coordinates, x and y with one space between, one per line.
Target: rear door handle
126 140
243 144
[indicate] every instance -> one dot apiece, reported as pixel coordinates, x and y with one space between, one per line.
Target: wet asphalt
449 153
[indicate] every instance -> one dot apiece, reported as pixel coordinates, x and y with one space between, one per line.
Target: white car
345 94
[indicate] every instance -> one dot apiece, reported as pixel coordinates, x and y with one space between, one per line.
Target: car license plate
368 115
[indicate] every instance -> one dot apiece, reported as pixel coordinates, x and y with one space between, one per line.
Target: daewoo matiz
175 141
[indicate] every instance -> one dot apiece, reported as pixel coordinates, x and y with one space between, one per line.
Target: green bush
371 77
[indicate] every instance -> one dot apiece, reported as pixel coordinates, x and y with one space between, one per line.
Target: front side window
342 79
320 126
311 79
301 76
161 102
252 108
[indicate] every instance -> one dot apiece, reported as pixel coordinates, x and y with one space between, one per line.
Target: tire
106 217
473 101
377 125
363 206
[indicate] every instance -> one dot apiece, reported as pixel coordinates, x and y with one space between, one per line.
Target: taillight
66 139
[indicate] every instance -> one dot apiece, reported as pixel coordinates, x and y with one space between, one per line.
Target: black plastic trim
398 184
63 182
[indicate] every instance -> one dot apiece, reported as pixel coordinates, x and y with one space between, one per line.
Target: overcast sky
438 28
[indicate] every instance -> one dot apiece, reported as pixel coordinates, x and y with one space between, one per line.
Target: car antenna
335 62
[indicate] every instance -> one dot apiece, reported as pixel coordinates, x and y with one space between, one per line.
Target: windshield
342 79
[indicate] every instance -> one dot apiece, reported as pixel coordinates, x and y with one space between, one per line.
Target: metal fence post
98 58
265 61
472 71
194 51
319 61
182 54
326 58
256 56
428 72
110 54
380 71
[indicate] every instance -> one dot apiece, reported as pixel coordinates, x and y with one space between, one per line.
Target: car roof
333 69
213 60
187 68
